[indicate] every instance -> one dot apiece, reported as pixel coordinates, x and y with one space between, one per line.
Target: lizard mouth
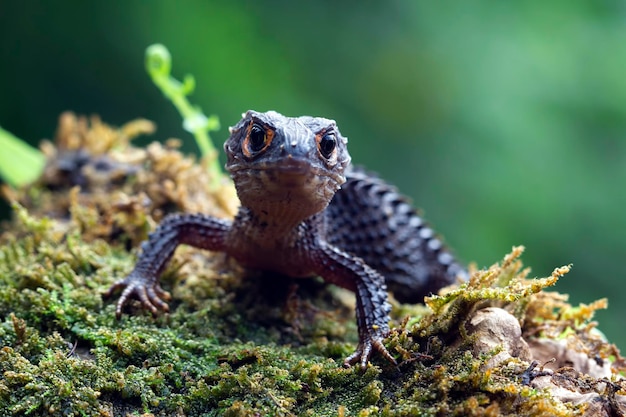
295 188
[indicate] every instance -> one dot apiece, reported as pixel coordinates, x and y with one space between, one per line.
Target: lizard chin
294 193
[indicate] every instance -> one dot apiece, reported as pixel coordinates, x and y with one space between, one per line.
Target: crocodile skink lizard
306 211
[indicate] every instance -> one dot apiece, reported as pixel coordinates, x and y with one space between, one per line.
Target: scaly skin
305 211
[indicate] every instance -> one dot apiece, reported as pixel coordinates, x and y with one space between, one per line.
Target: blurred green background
504 121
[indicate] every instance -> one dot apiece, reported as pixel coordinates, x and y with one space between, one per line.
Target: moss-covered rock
240 343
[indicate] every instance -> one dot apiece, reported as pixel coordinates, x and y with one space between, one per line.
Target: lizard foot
364 351
150 294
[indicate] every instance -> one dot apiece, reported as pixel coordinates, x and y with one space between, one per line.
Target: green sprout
20 163
159 65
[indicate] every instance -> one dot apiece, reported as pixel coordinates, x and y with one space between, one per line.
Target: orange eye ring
258 139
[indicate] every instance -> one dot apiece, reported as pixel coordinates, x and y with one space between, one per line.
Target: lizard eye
257 140
327 144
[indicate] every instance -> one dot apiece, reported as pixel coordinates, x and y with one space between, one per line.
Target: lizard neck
267 225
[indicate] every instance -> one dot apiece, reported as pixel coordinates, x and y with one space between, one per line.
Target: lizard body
306 211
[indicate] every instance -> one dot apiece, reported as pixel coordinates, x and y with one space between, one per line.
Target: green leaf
20 163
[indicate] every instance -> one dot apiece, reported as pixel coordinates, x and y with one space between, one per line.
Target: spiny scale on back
372 221
306 211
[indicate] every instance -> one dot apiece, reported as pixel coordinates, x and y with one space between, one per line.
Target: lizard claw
364 351
151 295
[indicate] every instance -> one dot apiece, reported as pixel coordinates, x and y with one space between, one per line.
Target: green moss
64 350
241 345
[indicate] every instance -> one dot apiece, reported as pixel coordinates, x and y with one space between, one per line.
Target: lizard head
286 163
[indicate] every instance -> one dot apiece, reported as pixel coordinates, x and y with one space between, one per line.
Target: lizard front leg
372 310
197 230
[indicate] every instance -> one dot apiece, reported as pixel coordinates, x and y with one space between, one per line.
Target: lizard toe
151 297
361 355
363 352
